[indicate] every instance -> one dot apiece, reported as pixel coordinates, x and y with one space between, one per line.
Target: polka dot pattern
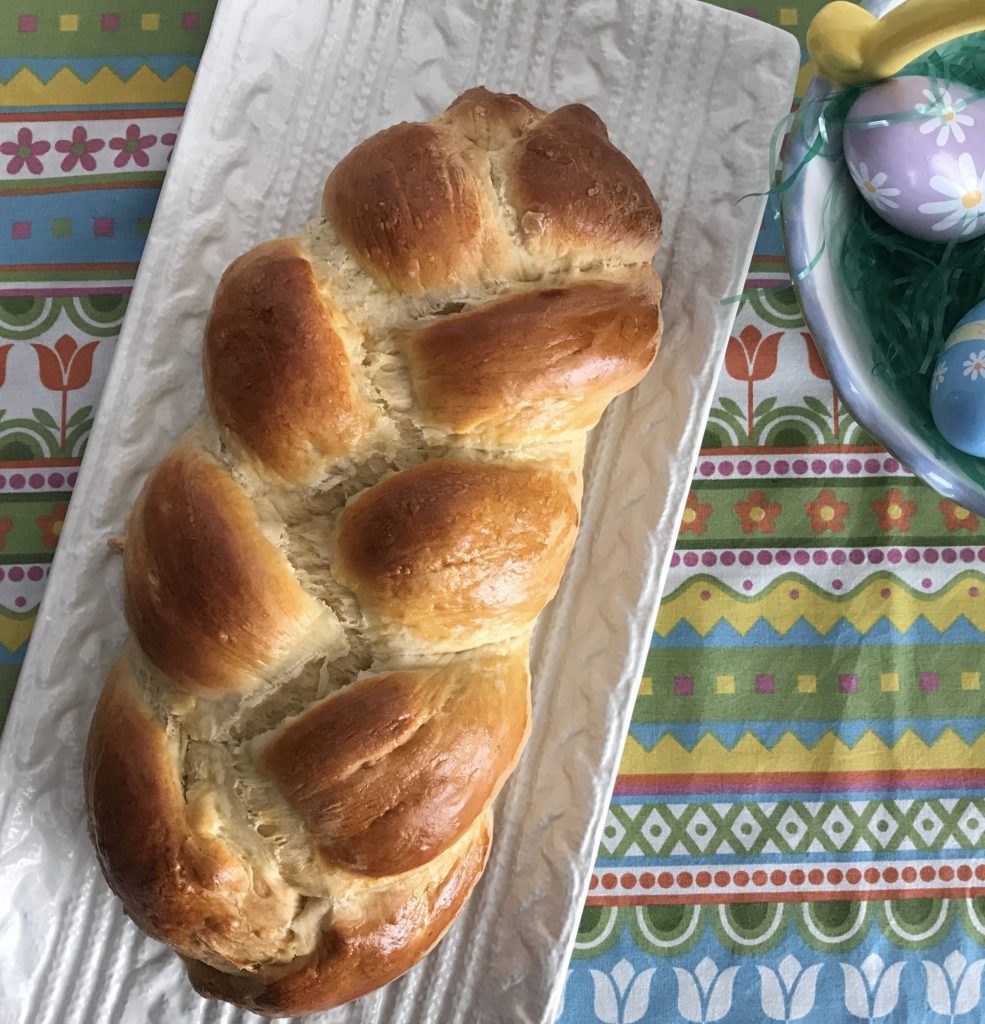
722 467
848 880
56 480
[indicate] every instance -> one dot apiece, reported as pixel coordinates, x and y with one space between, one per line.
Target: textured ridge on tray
378 62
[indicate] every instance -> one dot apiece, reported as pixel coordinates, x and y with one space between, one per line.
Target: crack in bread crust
331 581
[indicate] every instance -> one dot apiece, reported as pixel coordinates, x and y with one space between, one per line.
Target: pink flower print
169 139
132 146
25 152
79 150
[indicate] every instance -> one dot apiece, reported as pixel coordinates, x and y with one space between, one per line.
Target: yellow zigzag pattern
66 89
789 754
862 607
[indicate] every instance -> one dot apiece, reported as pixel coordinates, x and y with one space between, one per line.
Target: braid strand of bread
332 579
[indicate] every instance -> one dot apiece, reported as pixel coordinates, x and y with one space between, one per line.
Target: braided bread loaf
332 579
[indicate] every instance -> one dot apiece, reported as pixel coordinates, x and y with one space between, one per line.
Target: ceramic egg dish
916 159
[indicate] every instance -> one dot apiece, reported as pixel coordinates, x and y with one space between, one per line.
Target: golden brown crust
572 189
546 362
182 886
458 553
298 849
221 908
428 224
434 222
276 372
349 962
491 120
210 600
394 768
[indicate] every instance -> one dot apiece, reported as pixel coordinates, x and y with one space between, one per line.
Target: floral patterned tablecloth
91 96
797 829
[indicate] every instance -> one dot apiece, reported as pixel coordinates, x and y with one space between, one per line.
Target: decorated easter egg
916 151
957 389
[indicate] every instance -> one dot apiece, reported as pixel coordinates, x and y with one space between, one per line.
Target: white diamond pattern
927 824
658 829
701 830
972 824
882 827
746 828
792 828
837 828
655 830
612 834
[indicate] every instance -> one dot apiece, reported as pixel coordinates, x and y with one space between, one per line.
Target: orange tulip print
751 357
820 371
63 367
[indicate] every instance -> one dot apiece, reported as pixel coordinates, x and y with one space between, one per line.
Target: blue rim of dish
864 407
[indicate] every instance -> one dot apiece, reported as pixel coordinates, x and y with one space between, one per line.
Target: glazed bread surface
332 579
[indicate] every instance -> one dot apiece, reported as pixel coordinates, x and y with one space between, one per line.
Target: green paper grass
910 293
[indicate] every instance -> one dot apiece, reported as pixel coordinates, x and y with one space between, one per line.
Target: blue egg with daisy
957 389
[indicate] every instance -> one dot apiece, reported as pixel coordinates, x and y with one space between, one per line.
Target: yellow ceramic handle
852 47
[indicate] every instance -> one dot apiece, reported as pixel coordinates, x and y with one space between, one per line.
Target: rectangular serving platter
692 93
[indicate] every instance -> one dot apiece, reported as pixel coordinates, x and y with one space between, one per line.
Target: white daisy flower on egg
939 374
874 187
965 200
974 365
945 116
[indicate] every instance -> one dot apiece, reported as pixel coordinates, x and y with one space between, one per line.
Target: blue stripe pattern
124 207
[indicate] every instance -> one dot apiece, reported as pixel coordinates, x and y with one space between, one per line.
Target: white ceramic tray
284 90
